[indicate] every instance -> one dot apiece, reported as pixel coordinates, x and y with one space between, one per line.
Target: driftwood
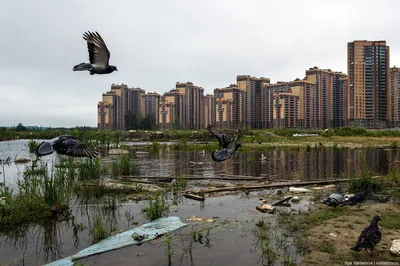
279 202
193 197
231 178
275 185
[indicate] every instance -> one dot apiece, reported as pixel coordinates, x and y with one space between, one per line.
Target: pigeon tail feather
82 67
355 248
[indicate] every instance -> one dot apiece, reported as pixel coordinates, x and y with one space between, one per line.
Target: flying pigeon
369 237
98 55
335 198
228 151
66 145
358 198
222 137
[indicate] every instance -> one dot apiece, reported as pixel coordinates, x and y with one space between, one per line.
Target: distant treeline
106 136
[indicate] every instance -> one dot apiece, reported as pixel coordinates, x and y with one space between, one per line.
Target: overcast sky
154 44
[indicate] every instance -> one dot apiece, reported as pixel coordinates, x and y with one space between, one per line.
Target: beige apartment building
394 97
229 107
368 71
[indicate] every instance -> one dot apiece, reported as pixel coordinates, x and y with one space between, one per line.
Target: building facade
209 109
369 102
394 97
228 106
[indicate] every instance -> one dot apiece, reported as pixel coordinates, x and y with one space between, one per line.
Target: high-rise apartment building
150 105
109 112
395 96
134 101
209 109
171 110
369 84
305 90
193 106
328 98
253 101
286 109
228 106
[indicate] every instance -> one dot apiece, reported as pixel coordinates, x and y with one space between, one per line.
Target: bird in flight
66 145
228 147
99 55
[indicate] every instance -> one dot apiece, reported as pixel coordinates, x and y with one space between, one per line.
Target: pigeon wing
44 148
369 238
220 155
221 136
99 55
75 148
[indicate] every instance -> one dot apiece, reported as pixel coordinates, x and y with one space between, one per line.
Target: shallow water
233 242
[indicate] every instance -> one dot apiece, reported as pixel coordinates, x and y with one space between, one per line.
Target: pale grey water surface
231 243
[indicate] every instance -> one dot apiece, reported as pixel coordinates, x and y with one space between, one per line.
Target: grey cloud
156 43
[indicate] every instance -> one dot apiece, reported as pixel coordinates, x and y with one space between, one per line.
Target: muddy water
231 242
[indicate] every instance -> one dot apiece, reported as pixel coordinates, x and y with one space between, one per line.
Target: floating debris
149 231
142 153
22 160
194 218
193 197
117 152
299 189
266 208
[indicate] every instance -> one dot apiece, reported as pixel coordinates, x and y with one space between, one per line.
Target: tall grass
32 145
364 178
123 166
89 169
157 207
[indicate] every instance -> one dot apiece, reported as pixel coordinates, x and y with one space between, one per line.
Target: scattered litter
21 160
299 189
323 187
193 197
266 208
295 199
279 202
149 231
332 234
348 196
140 254
117 152
194 218
395 248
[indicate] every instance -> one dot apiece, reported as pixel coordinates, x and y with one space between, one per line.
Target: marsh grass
261 235
187 245
89 169
32 145
36 199
364 178
100 230
157 207
123 166
168 249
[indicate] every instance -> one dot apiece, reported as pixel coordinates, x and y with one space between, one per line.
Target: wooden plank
275 185
193 197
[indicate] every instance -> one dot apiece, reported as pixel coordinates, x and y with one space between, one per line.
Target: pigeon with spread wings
66 145
222 137
99 55
228 147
